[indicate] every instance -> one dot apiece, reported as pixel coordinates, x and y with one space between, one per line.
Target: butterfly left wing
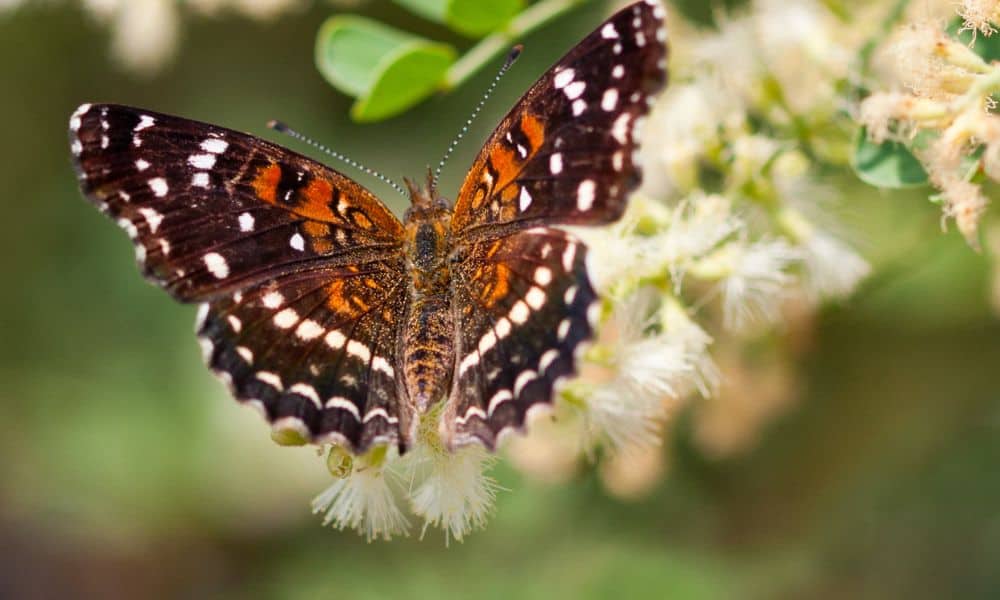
298 267
565 153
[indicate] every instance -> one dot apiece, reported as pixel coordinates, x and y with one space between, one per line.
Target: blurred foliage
390 71
888 164
128 473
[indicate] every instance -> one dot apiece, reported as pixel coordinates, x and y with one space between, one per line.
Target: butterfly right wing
297 266
565 153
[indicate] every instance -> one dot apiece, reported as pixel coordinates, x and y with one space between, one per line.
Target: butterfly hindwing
565 152
211 210
524 308
314 351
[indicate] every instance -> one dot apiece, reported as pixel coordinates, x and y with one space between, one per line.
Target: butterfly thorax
426 343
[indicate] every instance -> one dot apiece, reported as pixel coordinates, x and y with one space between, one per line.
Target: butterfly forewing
212 210
565 152
298 266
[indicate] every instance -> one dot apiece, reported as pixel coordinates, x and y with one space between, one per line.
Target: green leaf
473 18
387 70
886 165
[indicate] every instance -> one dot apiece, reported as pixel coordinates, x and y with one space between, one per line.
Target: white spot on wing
568 255
519 313
609 32
309 330
381 413
535 297
235 323
144 122
502 327
246 222
525 199
345 404
619 129
471 359
75 119
159 186
563 78
381 364
356 348
153 218
297 242
273 299
575 89
214 145
563 329
522 380
610 99
547 359
335 339
618 71
245 353
579 106
271 379
497 399
200 180
217 265
202 161
141 165
543 275
556 163
585 194
307 391
286 318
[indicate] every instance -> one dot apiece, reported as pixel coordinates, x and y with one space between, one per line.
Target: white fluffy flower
643 368
455 493
363 501
676 321
697 226
757 278
833 269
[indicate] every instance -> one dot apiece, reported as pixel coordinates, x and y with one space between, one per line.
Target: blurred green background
128 473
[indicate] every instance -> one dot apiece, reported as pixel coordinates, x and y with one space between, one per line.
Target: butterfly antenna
281 127
511 57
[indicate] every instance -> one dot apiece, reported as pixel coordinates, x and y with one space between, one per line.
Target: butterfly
341 323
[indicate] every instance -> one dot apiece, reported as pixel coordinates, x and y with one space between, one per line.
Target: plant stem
500 41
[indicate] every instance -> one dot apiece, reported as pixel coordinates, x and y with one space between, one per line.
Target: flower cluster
940 108
727 238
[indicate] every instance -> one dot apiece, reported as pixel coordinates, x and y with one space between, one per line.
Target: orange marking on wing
339 299
316 229
265 184
503 163
497 289
361 220
534 130
315 200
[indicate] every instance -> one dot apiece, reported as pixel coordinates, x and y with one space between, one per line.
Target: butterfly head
425 202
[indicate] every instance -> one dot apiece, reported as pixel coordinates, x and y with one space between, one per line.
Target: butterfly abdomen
426 347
